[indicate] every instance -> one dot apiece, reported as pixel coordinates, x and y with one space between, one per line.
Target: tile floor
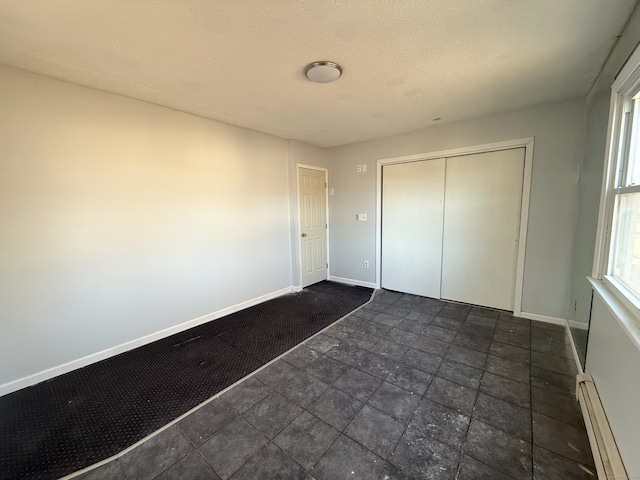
406 387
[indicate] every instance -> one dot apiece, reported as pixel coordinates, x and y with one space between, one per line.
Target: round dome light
323 72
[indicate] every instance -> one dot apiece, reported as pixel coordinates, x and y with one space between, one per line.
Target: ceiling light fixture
323 72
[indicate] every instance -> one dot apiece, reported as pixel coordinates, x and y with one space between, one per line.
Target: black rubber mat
75 420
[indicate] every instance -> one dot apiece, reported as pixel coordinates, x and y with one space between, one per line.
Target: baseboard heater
605 451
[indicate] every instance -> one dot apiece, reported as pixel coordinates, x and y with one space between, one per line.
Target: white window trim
627 79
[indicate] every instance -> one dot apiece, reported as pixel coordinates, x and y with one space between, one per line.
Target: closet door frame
527 143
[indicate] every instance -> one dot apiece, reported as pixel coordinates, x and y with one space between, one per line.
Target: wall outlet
361 217
366 264
358 168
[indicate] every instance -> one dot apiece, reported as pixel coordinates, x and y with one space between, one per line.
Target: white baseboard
130 345
544 318
606 455
574 350
558 321
350 281
578 325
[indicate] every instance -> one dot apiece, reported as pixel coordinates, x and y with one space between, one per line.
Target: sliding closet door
412 209
481 226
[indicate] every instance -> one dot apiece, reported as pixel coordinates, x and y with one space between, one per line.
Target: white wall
120 219
300 153
613 361
559 135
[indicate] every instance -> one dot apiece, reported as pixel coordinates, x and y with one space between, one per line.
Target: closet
450 227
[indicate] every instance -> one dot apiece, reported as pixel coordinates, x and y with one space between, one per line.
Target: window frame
615 174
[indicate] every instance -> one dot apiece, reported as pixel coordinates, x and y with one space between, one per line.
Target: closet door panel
483 194
412 212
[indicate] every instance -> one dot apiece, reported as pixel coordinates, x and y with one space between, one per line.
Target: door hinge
327 265
326 225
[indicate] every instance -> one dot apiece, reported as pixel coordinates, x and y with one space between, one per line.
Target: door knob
304 234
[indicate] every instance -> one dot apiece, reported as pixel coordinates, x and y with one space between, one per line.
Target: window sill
628 319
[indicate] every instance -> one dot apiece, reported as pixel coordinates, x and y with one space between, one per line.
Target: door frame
526 143
298 223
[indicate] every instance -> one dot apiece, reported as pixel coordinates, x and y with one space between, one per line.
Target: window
618 252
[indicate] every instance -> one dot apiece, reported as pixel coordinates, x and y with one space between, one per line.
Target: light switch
331 191
364 167
361 217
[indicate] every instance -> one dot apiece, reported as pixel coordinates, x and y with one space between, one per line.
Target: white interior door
481 227
412 210
313 225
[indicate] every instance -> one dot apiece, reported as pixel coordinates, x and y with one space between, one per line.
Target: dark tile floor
406 387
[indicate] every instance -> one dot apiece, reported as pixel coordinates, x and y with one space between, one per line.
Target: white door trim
298 229
527 143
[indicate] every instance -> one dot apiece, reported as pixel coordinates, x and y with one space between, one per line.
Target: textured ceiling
241 61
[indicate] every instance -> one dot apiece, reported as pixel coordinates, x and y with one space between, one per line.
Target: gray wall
558 129
593 164
121 219
613 358
589 201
